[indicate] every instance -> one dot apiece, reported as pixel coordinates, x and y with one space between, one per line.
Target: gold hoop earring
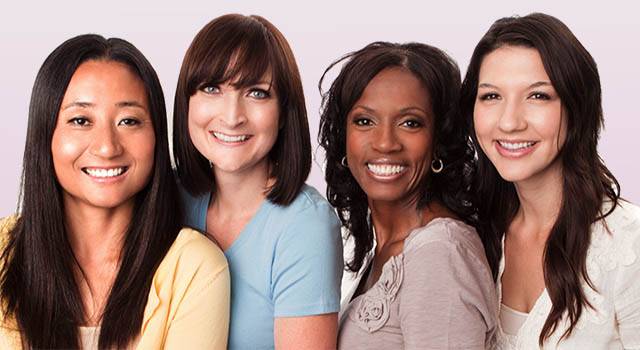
437 165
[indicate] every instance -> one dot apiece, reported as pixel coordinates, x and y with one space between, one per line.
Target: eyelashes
82 121
366 122
252 92
536 95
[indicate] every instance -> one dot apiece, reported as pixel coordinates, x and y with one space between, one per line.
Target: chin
514 174
384 195
112 201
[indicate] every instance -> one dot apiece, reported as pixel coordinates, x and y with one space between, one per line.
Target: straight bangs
242 58
241 51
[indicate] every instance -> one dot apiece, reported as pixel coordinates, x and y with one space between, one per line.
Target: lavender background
319 32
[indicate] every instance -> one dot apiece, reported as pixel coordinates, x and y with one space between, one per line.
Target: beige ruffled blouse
438 293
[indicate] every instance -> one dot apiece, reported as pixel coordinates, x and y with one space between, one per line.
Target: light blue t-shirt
286 262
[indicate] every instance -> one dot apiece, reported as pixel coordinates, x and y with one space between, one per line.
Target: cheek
200 111
144 146
553 125
482 125
355 143
420 146
198 119
66 148
268 116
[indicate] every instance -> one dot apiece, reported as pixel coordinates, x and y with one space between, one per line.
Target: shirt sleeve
307 266
447 300
627 288
201 320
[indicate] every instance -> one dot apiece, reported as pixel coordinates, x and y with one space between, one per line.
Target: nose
106 142
234 111
386 139
513 118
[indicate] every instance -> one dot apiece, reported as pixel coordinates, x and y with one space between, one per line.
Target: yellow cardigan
188 305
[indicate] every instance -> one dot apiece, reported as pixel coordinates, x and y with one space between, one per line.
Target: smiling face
518 115
389 136
235 128
103 143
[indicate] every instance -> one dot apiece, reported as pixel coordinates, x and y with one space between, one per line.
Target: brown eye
489 96
362 121
79 121
412 124
129 122
540 96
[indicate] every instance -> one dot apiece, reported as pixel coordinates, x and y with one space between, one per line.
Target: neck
97 234
540 200
393 221
241 192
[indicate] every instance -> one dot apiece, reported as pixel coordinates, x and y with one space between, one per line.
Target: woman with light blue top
243 153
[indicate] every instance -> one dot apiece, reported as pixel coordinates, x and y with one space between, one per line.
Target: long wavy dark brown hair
586 180
37 282
441 77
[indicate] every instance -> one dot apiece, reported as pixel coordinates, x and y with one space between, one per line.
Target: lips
515 148
105 173
229 138
385 169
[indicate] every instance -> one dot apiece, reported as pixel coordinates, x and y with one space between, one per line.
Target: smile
229 138
516 146
515 149
104 173
385 169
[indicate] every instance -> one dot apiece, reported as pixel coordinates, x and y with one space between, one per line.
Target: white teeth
104 173
229 138
385 169
514 146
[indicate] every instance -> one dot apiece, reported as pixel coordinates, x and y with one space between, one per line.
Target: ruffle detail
372 311
605 254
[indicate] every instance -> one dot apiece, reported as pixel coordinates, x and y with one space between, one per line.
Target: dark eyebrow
534 85
413 109
540 83
403 111
89 104
130 104
78 104
369 110
487 85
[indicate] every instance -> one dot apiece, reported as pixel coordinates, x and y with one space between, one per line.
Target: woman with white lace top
570 266
398 161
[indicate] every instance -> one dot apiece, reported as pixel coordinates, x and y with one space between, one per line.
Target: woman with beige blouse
398 172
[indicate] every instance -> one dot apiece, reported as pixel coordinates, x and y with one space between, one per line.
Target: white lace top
613 265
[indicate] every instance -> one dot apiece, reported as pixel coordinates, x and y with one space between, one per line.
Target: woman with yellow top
96 257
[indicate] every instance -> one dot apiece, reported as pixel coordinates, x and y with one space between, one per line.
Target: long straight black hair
37 279
574 76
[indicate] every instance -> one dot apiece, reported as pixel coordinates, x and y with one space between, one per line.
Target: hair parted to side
241 50
441 77
574 76
37 278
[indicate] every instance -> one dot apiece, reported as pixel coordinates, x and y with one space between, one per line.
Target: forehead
98 80
395 87
512 66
